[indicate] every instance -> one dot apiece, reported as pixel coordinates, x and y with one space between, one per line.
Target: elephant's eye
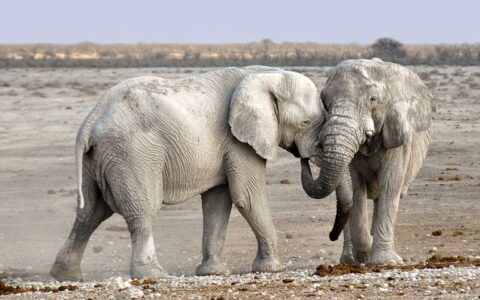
305 123
373 99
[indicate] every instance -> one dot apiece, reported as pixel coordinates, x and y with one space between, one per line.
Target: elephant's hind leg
137 194
144 262
216 206
67 263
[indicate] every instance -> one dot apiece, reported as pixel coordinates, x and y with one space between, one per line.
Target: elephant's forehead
360 72
345 84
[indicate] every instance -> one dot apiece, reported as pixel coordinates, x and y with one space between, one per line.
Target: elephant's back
202 101
187 113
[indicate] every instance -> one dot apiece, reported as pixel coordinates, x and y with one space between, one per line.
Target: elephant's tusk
316 161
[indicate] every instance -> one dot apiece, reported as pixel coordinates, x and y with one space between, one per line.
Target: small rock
135 282
51 192
97 249
117 283
285 181
437 233
457 233
134 293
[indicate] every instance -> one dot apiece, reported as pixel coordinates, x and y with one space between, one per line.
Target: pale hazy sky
217 21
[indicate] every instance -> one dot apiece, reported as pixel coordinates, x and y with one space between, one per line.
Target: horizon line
220 43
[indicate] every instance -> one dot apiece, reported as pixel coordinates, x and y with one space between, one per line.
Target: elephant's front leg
247 181
391 178
255 210
216 206
359 231
347 251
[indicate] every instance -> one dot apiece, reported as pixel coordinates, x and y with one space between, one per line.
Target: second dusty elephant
152 141
377 131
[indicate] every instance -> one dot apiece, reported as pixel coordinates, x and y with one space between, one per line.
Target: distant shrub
389 49
265 52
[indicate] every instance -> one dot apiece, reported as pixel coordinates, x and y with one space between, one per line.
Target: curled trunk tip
341 220
315 188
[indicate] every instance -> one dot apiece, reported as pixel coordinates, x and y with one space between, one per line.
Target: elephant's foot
384 257
267 265
211 268
347 255
64 272
361 256
153 270
347 259
362 249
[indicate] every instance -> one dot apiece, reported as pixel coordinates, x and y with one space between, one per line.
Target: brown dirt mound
437 261
10 289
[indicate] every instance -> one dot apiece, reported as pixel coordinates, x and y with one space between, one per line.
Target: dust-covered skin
41 110
152 141
378 131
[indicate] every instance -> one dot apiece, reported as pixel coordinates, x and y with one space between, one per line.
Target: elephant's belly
193 164
177 189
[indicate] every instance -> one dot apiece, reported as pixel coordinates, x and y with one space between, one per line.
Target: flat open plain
41 110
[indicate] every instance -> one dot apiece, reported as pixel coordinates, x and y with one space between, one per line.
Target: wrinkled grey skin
152 141
378 129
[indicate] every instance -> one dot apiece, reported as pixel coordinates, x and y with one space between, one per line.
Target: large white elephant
377 131
152 141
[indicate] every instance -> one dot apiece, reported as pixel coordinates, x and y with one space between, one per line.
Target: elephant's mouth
370 146
293 150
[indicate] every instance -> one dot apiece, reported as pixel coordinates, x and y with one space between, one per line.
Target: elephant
373 143
151 141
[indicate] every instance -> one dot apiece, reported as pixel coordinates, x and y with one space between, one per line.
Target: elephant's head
366 100
274 108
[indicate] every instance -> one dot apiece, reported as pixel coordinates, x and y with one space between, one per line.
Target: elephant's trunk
344 204
340 143
341 140
326 182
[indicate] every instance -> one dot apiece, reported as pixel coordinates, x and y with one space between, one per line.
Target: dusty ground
41 109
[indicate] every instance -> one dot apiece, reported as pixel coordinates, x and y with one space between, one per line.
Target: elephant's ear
410 109
253 113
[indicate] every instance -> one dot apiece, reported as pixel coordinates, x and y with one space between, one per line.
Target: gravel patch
454 282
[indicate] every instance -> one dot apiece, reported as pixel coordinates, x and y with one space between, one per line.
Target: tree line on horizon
265 52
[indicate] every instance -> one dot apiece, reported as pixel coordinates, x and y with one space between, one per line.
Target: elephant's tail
84 136
82 146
